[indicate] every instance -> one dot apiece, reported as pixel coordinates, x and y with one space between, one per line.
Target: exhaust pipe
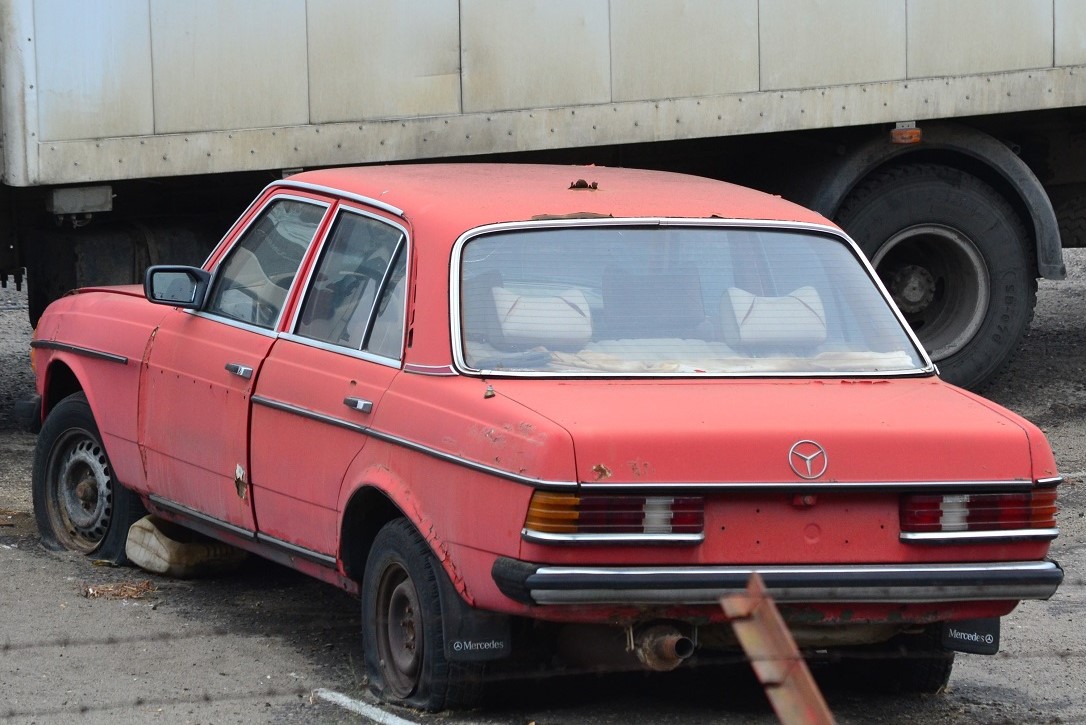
662 647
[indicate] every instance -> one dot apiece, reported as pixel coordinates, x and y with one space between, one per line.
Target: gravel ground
251 647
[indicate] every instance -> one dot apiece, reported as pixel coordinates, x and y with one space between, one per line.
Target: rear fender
471 634
368 481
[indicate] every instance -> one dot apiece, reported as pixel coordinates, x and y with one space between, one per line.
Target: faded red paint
177 425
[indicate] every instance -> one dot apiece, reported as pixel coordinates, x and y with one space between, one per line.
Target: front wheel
78 503
956 259
402 628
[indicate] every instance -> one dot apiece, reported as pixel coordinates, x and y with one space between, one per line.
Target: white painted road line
365 709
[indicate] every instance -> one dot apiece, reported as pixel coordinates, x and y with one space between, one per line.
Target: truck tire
50 267
402 629
78 503
1071 213
956 259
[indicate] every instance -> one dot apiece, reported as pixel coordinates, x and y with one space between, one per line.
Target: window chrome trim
231 322
340 350
437 370
78 350
455 317
539 537
339 193
954 537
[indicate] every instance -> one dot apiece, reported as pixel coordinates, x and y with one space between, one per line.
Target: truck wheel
908 663
956 259
78 503
402 630
50 270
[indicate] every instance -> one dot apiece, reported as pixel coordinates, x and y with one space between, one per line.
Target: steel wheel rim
400 639
80 491
939 279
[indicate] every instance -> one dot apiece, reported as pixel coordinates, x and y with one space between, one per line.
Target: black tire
402 628
50 269
1071 213
957 260
78 503
908 663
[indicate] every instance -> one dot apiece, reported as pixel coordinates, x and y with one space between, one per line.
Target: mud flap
975 636
472 635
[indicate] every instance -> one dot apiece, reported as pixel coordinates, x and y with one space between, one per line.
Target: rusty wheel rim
80 493
400 638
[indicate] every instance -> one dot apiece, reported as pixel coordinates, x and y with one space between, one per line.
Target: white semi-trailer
947 136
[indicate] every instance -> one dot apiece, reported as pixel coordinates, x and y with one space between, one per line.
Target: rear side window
251 284
356 298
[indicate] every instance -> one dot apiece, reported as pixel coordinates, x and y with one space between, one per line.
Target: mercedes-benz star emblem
807 459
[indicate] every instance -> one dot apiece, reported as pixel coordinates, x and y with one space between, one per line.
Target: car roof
465 196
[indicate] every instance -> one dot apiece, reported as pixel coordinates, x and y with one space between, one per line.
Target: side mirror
177 286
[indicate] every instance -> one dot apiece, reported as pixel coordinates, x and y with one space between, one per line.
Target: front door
197 384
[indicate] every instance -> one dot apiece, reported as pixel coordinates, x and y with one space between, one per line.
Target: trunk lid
745 431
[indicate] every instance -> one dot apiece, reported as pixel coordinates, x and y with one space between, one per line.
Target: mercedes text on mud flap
549 414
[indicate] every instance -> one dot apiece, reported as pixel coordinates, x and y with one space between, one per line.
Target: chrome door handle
365 406
242 371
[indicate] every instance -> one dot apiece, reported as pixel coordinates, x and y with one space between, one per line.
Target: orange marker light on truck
906 133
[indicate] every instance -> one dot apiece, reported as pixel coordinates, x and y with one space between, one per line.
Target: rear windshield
666 300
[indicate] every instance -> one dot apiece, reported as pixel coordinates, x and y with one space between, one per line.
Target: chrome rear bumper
890 583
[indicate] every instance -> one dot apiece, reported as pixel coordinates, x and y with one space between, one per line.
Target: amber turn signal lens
569 513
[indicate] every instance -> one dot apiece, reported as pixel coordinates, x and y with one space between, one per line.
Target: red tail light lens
926 513
568 513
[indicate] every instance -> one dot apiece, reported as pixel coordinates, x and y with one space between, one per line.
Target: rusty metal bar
774 656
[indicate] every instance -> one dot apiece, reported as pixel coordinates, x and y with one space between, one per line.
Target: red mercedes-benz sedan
550 413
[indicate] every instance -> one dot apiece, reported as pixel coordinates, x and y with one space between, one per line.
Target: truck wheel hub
912 287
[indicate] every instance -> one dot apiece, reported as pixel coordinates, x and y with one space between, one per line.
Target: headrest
795 319
562 320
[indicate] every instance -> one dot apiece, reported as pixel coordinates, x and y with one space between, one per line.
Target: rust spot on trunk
601 471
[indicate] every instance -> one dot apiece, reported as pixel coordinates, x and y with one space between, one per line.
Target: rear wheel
402 628
78 503
956 259
909 663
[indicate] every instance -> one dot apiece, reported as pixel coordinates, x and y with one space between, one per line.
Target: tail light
1032 514
607 517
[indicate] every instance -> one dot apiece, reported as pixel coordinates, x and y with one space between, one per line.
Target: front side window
252 282
356 297
671 300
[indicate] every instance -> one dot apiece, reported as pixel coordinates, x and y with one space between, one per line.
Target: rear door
322 384
201 368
